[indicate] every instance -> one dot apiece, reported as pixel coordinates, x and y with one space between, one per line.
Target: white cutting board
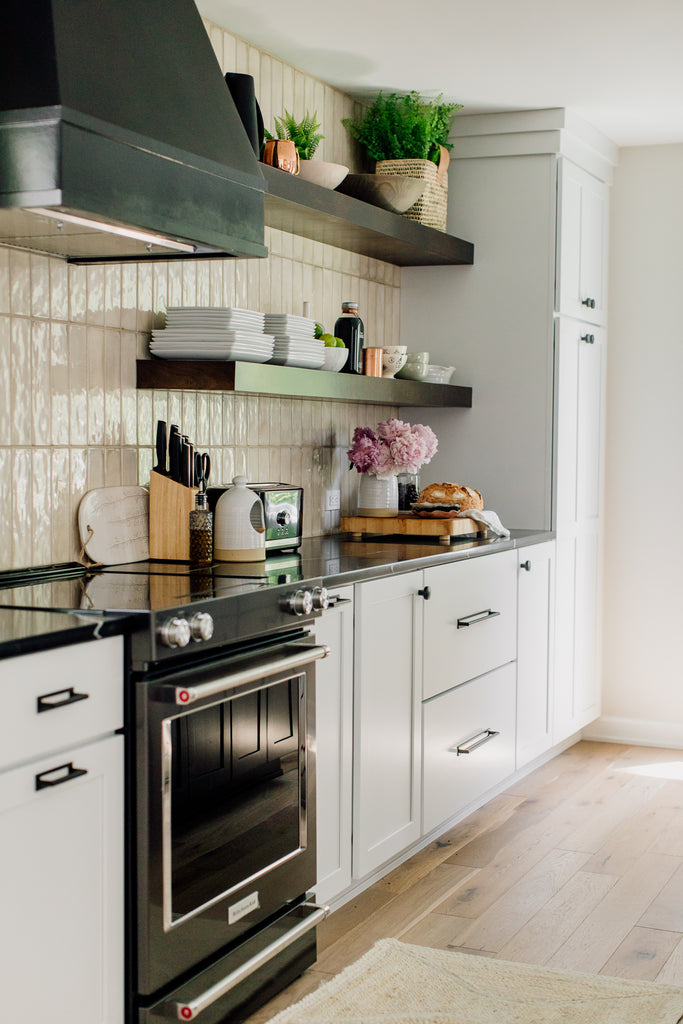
119 520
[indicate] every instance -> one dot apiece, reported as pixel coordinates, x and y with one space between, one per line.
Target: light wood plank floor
578 866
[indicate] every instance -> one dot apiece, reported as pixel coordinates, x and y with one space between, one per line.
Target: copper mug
281 153
372 362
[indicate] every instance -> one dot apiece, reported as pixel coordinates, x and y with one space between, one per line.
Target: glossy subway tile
71 416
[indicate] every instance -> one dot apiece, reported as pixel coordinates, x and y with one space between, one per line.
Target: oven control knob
301 603
201 626
284 518
321 599
175 633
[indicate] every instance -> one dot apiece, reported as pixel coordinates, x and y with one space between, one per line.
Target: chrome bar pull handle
471 620
478 740
304 652
191 1010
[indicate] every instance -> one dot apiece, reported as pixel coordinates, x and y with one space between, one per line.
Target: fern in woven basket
304 134
405 127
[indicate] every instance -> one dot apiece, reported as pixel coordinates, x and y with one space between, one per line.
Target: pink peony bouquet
395 447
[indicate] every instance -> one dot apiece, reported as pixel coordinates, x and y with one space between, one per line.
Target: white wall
643 583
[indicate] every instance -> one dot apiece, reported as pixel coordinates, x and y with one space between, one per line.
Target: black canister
349 327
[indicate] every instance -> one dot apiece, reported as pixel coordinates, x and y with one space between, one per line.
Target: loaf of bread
451 494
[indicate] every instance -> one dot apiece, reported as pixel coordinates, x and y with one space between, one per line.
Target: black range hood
117 113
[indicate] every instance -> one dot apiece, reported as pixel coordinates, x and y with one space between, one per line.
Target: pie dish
427 510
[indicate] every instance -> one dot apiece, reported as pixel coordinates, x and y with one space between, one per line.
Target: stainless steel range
221 779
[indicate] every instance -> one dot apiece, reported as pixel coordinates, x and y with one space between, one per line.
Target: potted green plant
305 135
408 136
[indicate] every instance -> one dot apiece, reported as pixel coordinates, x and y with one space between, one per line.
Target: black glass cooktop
141 586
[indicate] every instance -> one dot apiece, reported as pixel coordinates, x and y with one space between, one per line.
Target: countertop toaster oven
283 508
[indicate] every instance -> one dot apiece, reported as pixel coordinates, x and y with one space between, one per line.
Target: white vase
377 495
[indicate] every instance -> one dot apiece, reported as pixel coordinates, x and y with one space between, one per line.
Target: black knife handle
186 461
174 453
161 448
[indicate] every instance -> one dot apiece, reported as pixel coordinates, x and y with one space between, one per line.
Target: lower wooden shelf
293 382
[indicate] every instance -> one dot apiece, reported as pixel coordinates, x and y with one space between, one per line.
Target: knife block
170 505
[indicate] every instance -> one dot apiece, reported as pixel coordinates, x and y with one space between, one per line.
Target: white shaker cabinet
532 189
469 743
535 639
387 718
469 620
61 821
580 429
334 746
470 626
581 281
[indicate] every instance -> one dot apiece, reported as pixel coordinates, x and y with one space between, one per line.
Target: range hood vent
119 138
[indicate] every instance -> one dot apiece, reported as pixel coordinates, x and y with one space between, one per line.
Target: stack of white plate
211 332
295 341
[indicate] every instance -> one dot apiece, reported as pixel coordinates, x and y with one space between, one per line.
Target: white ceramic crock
239 525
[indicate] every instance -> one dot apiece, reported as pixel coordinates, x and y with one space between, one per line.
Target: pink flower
395 448
429 438
365 452
408 453
391 429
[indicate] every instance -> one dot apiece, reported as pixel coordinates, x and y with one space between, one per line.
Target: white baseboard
611 729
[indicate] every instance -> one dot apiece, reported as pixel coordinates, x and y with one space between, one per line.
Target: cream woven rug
396 983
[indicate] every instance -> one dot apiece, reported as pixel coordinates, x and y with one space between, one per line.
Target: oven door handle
304 653
192 1009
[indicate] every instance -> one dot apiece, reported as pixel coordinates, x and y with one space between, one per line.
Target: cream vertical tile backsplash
70 416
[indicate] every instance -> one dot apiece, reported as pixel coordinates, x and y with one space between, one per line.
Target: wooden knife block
170 505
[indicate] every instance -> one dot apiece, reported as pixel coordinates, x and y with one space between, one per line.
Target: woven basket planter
431 208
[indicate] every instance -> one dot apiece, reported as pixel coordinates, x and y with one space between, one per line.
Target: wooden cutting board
113 523
407 525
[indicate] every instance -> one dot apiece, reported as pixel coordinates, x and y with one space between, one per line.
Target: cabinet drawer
57 698
468 743
469 620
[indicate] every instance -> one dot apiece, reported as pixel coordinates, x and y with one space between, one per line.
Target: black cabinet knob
426 592
588 338
525 565
588 302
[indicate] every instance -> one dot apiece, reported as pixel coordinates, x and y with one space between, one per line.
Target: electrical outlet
332 501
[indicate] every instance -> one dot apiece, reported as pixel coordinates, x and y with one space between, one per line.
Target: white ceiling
616 63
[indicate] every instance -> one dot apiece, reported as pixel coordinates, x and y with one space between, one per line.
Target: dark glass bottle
349 327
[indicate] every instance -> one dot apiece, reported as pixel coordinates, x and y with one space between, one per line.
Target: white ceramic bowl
392 362
396 350
439 374
335 358
390 192
323 173
413 371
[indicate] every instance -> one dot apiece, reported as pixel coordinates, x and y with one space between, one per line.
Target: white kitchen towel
486 517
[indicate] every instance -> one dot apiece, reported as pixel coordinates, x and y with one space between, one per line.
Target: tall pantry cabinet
525 326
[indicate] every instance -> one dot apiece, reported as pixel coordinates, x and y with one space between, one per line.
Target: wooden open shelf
302 208
293 382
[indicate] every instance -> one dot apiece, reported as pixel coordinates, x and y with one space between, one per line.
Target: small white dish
439 374
322 172
335 358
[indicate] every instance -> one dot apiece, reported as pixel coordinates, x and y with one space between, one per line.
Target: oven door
225 804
